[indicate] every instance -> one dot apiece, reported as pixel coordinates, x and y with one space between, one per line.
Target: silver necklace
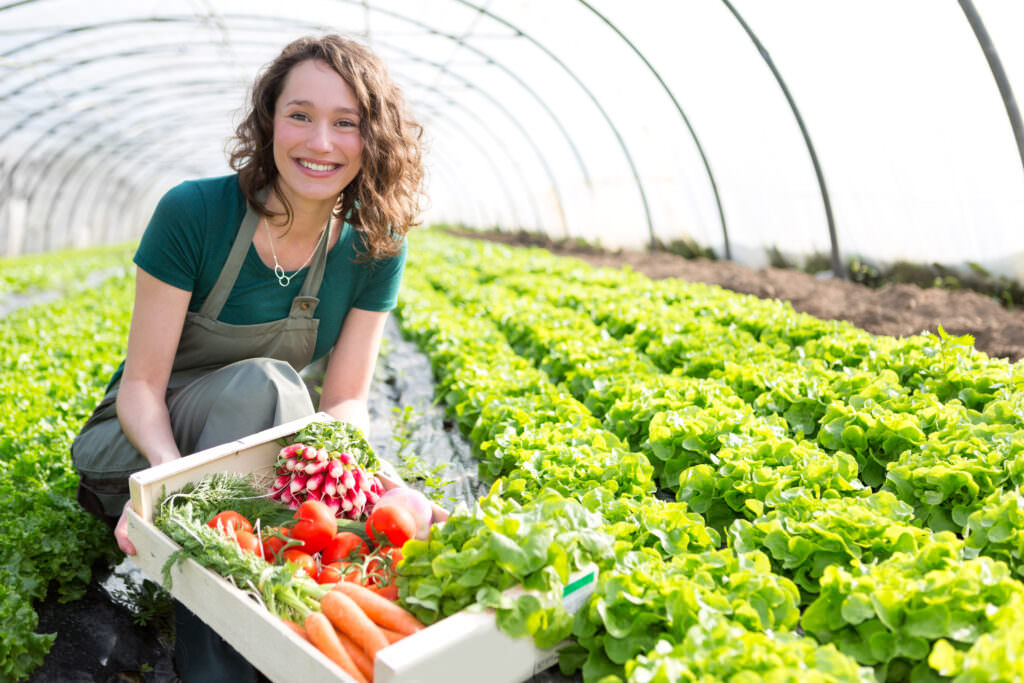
283 278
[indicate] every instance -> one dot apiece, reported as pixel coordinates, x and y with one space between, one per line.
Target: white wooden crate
466 647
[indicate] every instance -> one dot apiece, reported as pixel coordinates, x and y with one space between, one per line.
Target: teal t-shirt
191 232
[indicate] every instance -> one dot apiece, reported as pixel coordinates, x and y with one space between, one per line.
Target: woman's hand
121 532
440 514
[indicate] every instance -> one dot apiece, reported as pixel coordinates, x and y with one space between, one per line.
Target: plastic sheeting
612 122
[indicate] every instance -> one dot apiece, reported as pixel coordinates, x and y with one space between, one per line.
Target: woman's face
317 146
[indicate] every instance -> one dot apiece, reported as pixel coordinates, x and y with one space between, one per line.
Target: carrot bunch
352 625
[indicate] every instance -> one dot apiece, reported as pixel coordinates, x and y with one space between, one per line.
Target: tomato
344 546
389 591
247 541
272 544
391 524
379 567
330 573
229 521
316 526
305 562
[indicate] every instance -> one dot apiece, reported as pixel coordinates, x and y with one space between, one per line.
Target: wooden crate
464 648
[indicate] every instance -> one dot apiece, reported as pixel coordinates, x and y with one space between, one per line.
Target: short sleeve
170 248
384 276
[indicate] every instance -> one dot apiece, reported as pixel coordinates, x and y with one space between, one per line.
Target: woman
244 280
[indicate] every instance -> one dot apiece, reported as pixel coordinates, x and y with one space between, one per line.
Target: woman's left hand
440 514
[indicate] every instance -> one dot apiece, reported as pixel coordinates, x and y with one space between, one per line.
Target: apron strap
229 273
315 274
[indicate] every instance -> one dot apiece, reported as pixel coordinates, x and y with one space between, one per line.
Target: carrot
392 636
321 633
348 618
381 610
359 656
299 631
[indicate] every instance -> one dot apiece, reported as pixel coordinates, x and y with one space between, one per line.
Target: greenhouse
648 341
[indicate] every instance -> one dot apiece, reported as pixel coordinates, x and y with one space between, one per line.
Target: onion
413 501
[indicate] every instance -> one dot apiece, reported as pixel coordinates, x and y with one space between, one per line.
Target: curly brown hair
382 201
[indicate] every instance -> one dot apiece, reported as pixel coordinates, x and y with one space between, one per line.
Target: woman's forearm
146 422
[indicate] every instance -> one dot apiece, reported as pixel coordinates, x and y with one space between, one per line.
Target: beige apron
209 357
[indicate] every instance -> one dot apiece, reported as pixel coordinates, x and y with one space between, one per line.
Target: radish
306 473
413 501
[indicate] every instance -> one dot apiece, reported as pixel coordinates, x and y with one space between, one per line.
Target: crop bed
763 491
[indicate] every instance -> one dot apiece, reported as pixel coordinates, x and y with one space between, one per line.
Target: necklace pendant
282 278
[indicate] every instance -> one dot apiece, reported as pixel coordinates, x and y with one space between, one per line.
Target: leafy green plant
889 615
646 599
49 382
718 650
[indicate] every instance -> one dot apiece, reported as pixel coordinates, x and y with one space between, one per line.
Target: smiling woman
226 314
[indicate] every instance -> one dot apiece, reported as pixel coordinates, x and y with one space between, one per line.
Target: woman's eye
298 116
346 123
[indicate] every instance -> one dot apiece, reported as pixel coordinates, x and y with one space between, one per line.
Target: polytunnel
639 455
876 130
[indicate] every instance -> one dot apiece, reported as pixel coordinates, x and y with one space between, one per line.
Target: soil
897 310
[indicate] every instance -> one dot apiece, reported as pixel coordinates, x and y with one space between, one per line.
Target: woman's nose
320 138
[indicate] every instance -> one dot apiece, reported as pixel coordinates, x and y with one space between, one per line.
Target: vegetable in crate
330 462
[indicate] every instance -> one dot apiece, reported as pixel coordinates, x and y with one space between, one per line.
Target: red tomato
379 567
247 541
229 521
391 524
330 573
344 546
389 591
305 562
272 544
316 526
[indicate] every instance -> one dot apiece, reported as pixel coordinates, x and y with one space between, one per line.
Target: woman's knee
273 384
242 399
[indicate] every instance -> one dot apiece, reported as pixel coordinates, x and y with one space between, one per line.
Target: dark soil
897 310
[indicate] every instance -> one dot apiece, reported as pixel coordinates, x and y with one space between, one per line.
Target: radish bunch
332 477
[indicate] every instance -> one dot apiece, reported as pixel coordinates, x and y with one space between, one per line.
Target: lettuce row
67 270
646 599
717 650
500 400
889 409
889 615
750 476
946 366
896 418
50 379
804 534
687 424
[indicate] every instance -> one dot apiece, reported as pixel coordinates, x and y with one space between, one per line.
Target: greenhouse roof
878 130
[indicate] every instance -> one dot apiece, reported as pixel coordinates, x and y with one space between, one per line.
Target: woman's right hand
121 532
